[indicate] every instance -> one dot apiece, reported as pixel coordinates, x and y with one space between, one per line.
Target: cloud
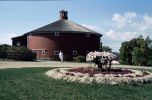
122 20
121 36
111 34
130 15
126 26
131 23
146 24
6 38
92 27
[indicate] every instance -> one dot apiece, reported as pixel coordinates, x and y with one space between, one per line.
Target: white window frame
75 52
56 34
18 44
56 52
43 52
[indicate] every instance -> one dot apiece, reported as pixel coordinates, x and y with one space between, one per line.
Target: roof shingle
63 26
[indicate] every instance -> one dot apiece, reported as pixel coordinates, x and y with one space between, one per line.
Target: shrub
16 53
80 58
101 58
137 51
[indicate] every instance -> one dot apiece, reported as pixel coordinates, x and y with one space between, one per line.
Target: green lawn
32 84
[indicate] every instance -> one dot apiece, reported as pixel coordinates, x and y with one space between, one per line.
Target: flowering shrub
92 55
101 58
91 75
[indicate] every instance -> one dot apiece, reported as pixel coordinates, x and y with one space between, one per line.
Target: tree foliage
137 51
16 53
105 48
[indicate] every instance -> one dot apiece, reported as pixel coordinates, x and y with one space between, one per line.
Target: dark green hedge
16 53
79 58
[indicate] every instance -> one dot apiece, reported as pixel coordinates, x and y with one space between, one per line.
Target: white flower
92 55
112 79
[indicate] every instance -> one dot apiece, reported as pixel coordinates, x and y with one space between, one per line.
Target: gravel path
20 64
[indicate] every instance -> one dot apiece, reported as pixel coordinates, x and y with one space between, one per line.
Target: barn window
18 44
56 34
75 52
43 52
56 52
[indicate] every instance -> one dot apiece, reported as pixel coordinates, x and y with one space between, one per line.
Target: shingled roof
63 26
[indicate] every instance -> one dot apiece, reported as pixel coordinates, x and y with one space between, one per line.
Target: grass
32 84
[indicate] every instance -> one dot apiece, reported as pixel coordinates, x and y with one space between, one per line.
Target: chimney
63 15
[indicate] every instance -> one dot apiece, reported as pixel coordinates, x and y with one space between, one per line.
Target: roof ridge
63 26
83 27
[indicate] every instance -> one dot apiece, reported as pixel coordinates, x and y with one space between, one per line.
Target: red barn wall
67 42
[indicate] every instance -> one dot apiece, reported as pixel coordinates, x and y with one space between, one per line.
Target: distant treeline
16 53
137 51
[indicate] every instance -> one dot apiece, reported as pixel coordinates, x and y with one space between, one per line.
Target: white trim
38 49
28 40
56 52
75 52
43 52
18 44
56 34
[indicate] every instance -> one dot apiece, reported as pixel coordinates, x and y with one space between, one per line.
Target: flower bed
92 75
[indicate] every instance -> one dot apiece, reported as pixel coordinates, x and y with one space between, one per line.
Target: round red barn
72 39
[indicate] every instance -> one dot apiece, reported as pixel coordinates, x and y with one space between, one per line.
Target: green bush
137 51
79 58
16 53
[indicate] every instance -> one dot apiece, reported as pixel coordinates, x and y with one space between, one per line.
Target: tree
4 48
16 53
137 51
138 56
125 53
105 48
